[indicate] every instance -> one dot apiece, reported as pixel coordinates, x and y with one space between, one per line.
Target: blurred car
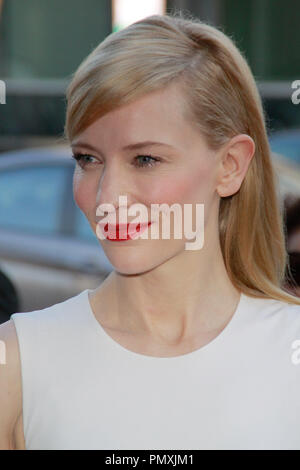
47 246
288 176
287 143
285 147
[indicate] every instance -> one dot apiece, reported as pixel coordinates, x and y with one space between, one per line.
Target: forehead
159 116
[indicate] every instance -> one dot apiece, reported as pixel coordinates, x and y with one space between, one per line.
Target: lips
123 232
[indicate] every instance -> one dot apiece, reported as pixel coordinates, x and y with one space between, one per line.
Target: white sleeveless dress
83 390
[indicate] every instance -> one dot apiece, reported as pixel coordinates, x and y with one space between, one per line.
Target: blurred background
47 249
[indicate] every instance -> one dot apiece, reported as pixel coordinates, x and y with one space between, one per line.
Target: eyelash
79 157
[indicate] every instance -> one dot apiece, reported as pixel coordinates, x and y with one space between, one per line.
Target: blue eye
141 161
148 163
81 158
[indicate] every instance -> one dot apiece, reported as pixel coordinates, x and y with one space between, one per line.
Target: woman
178 348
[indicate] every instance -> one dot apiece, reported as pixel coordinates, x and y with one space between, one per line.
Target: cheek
196 187
175 190
183 188
83 192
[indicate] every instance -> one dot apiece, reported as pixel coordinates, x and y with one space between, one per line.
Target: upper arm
10 384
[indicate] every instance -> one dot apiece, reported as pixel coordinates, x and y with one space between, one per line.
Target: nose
113 184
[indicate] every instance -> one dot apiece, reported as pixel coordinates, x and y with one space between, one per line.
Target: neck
188 295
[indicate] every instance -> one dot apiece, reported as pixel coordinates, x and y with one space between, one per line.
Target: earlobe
235 160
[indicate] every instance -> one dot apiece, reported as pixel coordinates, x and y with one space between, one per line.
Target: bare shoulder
11 425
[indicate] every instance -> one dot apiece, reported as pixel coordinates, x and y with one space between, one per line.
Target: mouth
123 232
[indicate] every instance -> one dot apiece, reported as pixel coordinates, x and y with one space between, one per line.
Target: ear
235 158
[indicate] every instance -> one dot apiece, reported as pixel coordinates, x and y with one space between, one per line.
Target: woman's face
183 171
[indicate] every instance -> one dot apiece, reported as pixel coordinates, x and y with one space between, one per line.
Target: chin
128 261
132 269
140 258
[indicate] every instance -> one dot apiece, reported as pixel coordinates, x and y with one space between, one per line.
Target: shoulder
50 315
49 331
269 334
272 308
288 317
282 311
9 350
10 383
273 317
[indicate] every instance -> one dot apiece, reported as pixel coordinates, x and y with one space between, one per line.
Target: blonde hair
221 97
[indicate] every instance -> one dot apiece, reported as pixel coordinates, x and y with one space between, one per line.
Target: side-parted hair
221 98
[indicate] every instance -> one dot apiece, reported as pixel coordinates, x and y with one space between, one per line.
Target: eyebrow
137 145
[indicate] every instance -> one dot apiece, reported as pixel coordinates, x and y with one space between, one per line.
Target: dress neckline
217 341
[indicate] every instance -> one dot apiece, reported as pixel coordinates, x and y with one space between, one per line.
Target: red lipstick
123 232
